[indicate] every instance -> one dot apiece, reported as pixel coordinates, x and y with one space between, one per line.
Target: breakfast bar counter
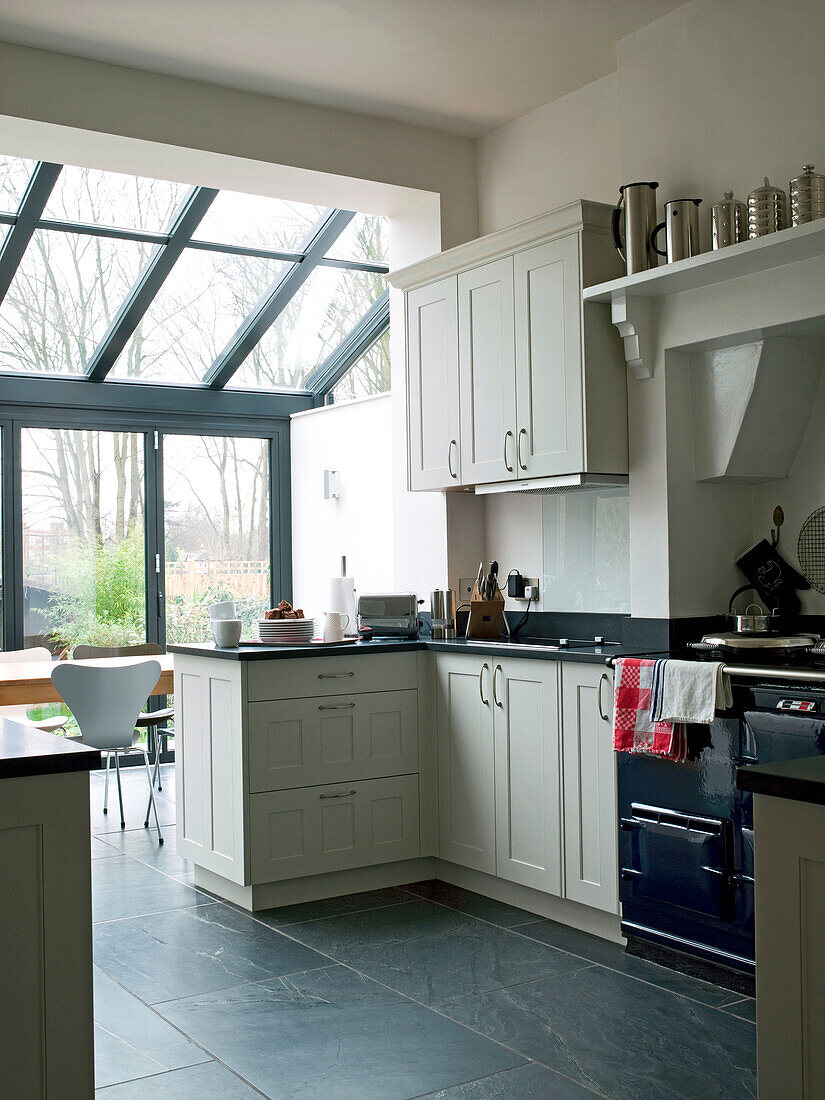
46 1039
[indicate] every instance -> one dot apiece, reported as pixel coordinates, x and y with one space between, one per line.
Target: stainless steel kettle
638 200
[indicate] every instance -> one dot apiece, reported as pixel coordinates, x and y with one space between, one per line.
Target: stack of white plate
286 631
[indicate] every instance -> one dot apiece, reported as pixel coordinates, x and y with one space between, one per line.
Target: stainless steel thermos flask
638 202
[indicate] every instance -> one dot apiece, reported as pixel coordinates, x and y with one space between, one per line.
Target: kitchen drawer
332 828
332 674
332 739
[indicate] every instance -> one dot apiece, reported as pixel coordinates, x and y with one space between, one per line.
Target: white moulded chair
20 713
106 701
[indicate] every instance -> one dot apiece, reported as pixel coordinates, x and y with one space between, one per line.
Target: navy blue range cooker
686 833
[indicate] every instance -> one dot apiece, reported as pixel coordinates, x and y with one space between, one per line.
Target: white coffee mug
225 610
335 623
226 632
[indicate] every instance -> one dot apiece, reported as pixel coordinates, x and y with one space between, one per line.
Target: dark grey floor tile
457 962
101 850
528 1082
124 887
197 950
496 912
745 1009
135 797
142 845
402 924
286 915
131 1040
622 1037
614 956
331 1033
197 1083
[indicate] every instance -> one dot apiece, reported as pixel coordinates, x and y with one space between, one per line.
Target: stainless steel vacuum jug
638 200
442 609
682 228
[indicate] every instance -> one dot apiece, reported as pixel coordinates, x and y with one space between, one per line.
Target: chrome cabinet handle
334 675
603 679
450 458
340 794
507 467
496 671
520 434
338 706
486 702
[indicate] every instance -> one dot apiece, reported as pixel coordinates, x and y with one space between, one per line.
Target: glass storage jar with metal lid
807 196
730 221
767 210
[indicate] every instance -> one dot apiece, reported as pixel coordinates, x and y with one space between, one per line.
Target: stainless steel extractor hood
564 484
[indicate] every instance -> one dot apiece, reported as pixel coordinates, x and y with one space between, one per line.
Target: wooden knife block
486 619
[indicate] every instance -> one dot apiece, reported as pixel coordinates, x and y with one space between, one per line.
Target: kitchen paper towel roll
341 597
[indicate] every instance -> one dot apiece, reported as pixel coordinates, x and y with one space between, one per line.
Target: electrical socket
465 589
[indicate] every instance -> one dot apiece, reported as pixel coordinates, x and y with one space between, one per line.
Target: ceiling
465 66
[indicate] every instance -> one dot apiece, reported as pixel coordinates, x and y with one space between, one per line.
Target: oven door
679 859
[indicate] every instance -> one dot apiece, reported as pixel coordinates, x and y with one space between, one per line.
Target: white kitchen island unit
304 775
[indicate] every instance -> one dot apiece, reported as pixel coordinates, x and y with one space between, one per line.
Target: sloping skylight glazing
109 275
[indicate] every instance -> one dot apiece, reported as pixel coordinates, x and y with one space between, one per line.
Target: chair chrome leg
119 789
158 776
106 785
151 799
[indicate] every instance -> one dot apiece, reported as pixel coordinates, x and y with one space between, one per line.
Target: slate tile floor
425 990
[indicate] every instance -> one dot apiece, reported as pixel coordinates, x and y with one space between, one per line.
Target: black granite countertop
535 649
801 780
25 752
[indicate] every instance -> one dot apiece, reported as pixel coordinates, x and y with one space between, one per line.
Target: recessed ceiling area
465 66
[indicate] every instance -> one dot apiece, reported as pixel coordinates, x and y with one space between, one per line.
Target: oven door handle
717 871
629 823
631 873
748 760
742 880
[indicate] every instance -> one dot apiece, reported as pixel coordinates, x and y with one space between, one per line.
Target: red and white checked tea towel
633 730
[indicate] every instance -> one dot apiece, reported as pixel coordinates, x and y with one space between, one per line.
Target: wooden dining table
29 683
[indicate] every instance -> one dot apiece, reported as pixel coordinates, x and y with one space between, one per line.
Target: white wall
703 100
354 438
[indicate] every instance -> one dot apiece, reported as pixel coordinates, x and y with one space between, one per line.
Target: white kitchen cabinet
549 425
432 386
466 767
486 372
332 739
528 779
541 380
313 830
589 782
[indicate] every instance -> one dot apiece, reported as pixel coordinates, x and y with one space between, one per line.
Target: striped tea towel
633 728
689 691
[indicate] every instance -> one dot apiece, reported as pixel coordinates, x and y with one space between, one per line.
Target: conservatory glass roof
111 276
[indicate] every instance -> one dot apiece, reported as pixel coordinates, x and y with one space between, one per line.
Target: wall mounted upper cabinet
534 378
432 385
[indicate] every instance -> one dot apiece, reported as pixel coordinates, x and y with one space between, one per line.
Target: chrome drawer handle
486 702
520 460
450 458
341 794
603 679
334 675
507 466
338 706
496 671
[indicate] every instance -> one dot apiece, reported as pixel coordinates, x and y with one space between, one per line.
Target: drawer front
332 739
332 674
317 829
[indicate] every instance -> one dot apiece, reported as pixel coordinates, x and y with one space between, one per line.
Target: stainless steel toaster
389 614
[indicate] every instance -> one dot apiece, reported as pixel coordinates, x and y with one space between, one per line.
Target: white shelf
801 242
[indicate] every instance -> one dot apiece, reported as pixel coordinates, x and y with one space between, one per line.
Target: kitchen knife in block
486 620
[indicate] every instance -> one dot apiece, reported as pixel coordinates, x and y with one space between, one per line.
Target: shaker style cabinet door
528 779
589 780
432 386
486 367
548 341
466 769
